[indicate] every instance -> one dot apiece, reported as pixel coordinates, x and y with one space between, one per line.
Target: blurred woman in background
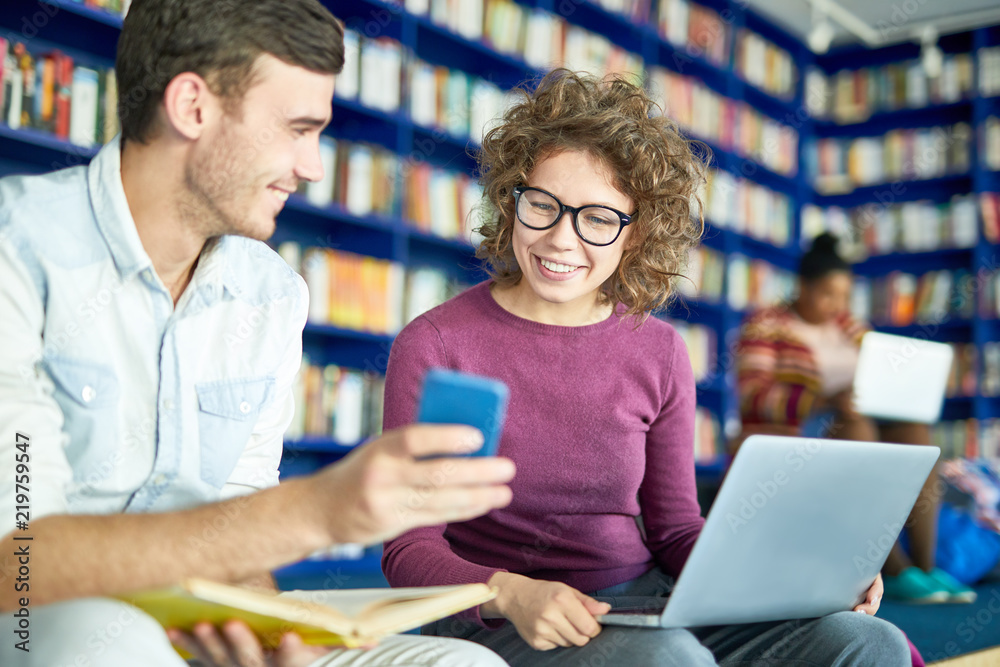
795 370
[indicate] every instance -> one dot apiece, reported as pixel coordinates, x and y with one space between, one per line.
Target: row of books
732 125
636 11
967 438
991 143
701 343
902 299
989 71
119 7
754 283
841 164
704 278
363 293
47 91
989 209
442 202
989 384
851 96
544 40
988 289
334 402
700 30
366 179
362 178
465 106
464 17
373 72
746 207
743 281
962 379
435 97
709 443
877 229
765 65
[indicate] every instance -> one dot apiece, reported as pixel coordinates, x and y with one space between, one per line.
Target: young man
148 344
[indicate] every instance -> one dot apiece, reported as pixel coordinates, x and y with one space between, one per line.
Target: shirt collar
215 273
114 219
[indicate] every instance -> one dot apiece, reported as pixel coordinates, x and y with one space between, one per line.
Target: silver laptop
900 378
800 528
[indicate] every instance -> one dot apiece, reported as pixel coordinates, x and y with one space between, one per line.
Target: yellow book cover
348 618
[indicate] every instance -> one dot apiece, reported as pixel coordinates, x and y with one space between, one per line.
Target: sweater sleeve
763 398
668 496
423 556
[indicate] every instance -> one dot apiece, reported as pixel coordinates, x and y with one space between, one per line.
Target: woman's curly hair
645 155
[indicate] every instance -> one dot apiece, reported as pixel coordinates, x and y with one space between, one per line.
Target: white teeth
557 268
280 194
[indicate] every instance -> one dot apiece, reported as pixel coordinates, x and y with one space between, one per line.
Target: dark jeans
841 639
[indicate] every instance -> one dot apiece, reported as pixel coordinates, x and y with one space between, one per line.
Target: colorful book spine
335 402
839 165
878 229
854 95
765 65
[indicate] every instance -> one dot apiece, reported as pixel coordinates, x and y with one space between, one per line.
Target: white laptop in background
900 378
800 529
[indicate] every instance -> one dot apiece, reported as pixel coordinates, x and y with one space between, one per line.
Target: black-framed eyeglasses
595 224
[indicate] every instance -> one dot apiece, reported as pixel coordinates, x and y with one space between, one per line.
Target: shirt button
160 480
88 394
244 407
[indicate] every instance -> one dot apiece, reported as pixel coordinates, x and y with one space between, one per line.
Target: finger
214 646
293 652
458 472
450 505
543 644
569 634
877 587
188 644
594 607
430 439
866 609
582 619
243 644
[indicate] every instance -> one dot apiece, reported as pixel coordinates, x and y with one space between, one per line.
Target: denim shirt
132 404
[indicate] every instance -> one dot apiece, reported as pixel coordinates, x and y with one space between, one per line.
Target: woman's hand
872 598
546 614
237 646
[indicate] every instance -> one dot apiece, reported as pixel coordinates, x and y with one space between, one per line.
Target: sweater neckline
482 292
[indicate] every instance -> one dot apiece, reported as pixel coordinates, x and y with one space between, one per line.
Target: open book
348 618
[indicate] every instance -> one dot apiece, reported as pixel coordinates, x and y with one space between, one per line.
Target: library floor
956 635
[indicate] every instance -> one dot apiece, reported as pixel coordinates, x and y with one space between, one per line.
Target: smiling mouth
555 267
280 194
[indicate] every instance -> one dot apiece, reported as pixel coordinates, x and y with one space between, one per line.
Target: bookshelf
679 47
964 97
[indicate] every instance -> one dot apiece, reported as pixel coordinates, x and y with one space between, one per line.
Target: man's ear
189 106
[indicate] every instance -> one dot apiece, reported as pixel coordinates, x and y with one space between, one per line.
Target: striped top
778 378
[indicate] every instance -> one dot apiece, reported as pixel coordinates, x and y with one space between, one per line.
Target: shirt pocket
87 393
227 413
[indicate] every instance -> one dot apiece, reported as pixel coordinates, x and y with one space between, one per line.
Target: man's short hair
220 40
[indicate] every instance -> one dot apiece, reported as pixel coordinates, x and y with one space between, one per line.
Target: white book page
355 602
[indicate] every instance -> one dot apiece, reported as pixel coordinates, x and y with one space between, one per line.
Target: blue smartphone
453 397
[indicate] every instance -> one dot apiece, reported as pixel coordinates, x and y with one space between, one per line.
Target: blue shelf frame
90 35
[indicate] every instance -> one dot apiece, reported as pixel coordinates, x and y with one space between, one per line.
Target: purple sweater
600 424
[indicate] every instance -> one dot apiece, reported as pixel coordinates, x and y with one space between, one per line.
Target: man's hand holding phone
422 474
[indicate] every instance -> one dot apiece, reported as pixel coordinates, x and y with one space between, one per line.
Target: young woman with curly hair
592 193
